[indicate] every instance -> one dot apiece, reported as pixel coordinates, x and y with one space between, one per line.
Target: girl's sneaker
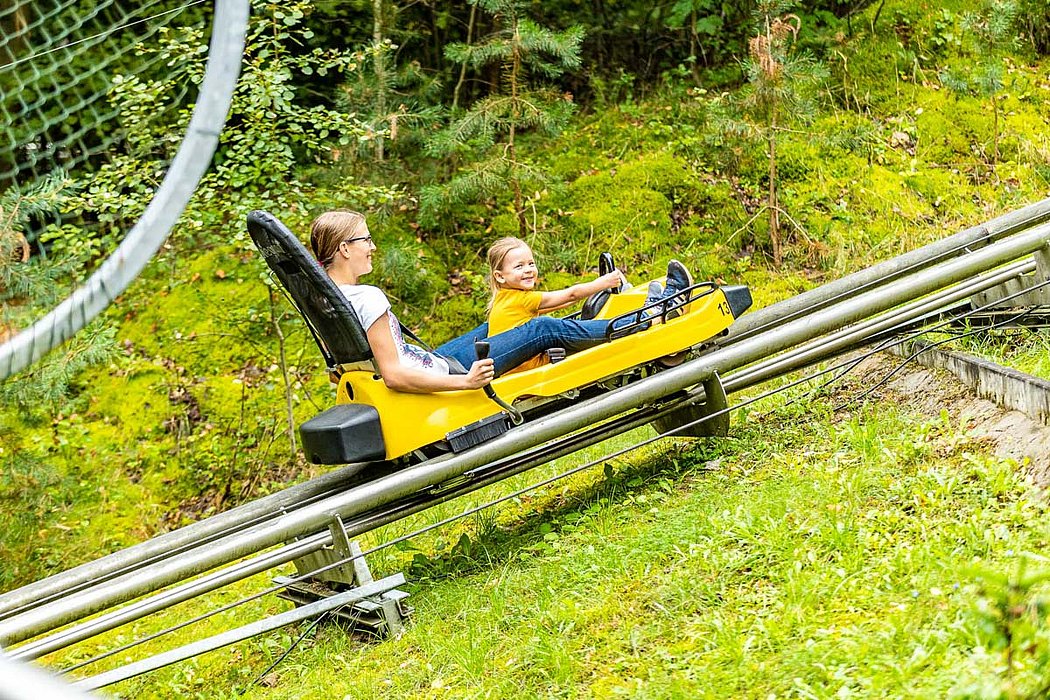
678 278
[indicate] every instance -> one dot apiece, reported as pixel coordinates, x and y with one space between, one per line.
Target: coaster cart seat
371 422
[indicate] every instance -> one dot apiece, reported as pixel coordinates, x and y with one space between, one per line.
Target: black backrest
327 311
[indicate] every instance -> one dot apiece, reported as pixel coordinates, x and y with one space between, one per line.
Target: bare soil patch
1008 433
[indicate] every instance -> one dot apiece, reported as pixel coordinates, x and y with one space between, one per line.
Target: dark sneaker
678 278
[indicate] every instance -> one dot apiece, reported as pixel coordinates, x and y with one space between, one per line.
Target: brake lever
481 351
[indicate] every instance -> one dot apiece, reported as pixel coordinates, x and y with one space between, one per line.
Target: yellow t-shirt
510 309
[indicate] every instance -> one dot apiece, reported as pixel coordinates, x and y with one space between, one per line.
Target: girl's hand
481 373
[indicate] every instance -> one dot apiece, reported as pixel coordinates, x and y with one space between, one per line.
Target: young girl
515 301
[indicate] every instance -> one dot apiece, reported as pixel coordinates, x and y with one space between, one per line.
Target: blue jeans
511 348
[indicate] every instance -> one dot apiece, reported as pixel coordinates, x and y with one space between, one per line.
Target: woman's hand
481 373
400 378
611 280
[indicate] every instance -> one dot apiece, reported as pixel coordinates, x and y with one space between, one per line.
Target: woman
342 244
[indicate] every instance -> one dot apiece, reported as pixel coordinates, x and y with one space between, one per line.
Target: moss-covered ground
811 555
820 556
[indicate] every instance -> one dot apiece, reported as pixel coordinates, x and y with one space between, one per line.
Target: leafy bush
270 130
1034 20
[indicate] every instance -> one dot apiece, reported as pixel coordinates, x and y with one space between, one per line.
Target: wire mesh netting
59 62
110 114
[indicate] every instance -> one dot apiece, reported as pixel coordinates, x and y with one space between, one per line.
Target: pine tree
29 288
525 53
778 96
993 31
393 100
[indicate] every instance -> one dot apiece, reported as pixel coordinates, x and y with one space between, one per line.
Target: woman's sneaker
656 293
678 278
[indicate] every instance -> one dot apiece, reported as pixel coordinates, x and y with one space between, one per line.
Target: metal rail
241 633
887 271
859 334
795 359
490 475
229 27
370 496
22 682
177 542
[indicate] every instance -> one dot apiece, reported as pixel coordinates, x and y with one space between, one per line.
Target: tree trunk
995 130
463 66
875 19
774 204
694 49
602 57
515 73
289 402
380 66
15 23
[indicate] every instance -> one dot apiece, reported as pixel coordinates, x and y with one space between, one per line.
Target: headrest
325 308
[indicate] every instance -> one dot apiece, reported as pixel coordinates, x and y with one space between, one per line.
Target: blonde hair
497 254
332 228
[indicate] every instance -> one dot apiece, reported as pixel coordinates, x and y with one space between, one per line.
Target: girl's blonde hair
332 228
497 254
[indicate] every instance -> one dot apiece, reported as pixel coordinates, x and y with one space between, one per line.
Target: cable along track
767 344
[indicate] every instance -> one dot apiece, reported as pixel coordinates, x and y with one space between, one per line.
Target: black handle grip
481 350
605 266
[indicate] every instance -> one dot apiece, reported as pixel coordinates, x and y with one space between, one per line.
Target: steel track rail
369 496
886 272
853 336
177 542
366 522
903 318
893 322
191 161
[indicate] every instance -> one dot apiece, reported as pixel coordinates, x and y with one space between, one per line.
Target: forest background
768 143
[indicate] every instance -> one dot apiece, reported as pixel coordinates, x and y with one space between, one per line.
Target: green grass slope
811 555
822 557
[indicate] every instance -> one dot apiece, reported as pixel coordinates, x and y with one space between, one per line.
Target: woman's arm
400 378
563 297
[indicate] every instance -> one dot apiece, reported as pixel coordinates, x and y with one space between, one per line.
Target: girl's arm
400 378
563 297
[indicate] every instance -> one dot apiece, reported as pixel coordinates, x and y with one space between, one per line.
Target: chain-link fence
61 61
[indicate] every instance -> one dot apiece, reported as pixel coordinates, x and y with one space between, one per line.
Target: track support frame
342 567
715 400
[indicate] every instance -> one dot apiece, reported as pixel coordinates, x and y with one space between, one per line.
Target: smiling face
342 245
357 250
518 270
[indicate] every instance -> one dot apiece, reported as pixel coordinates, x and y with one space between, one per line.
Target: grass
809 555
1026 350
822 557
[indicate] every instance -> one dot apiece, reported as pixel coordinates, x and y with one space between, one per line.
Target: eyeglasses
366 239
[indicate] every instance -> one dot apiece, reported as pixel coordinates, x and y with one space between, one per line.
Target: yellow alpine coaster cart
372 423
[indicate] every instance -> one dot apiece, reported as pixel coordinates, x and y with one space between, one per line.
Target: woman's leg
511 348
462 347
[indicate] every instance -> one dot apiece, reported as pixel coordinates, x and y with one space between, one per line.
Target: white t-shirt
369 303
